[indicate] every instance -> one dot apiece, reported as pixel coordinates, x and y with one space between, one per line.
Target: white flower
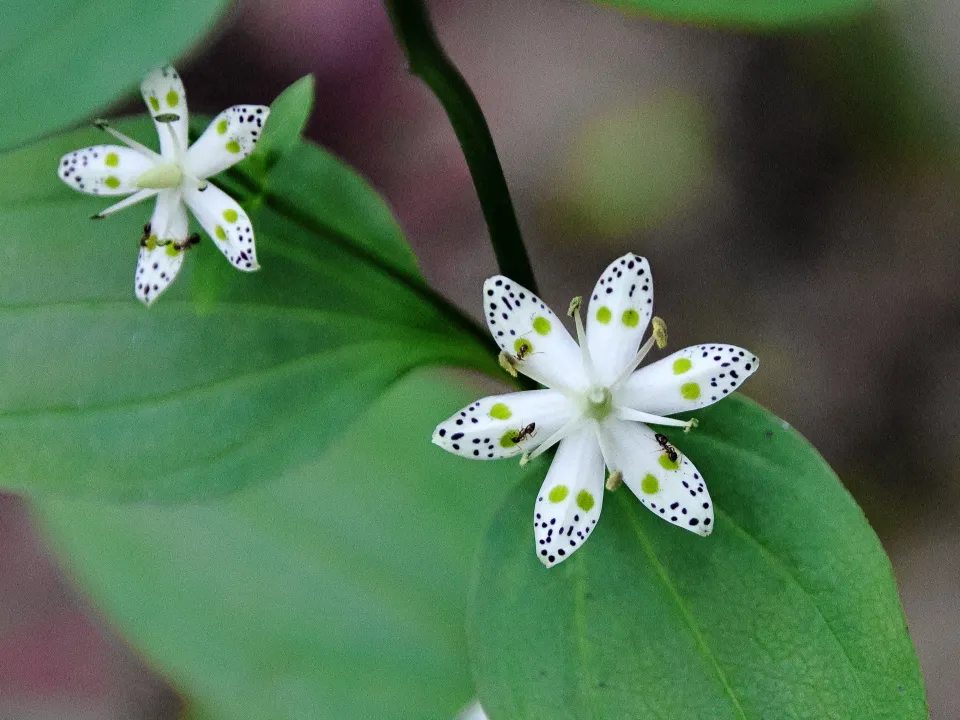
177 177
595 406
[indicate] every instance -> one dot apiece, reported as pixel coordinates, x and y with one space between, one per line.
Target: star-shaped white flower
177 177
596 406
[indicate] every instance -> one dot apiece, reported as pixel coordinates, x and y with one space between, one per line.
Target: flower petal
164 95
161 252
227 140
227 223
169 220
689 379
103 169
157 267
674 490
488 428
569 501
618 314
526 328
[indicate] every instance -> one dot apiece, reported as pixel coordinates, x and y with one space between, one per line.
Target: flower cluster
596 406
177 178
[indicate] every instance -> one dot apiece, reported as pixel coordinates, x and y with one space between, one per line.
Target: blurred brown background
796 194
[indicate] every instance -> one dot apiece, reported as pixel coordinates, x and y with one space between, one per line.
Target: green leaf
289 113
61 60
101 395
337 592
788 610
748 13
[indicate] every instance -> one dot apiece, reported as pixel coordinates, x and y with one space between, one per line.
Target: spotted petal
689 379
227 223
524 326
227 140
103 169
161 256
164 95
489 428
673 490
618 313
157 267
568 504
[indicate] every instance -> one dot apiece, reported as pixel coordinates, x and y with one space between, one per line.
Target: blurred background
797 194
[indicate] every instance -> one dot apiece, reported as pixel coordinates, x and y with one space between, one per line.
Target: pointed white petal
488 429
157 267
227 223
103 169
617 316
169 220
164 95
675 491
689 379
525 327
568 504
227 140
161 250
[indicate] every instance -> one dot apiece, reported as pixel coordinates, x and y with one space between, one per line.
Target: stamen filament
138 196
568 429
588 369
625 413
635 363
128 141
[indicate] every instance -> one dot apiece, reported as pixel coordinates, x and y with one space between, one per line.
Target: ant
523 350
524 433
669 449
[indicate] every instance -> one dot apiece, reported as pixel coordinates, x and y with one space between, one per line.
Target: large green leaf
337 592
99 394
61 60
788 610
748 13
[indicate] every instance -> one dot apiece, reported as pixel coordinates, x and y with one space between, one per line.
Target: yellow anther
574 306
614 481
660 332
508 362
691 423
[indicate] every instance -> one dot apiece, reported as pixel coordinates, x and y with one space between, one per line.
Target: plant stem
430 63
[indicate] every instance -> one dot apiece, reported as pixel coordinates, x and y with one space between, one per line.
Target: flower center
598 403
161 177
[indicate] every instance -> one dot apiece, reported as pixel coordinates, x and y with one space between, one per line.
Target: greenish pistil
599 403
160 177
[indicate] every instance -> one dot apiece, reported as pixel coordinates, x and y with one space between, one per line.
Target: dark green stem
430 63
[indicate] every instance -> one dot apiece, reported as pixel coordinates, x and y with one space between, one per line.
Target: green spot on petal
506 440
500 412
222 127
541 325
112 182
522 346
667 464
630 318
233 146
151 243
172 98
690 391
650 484
172 250
681 365
558 494
585 501
154 103
221 233
230 215
604 315
112 160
